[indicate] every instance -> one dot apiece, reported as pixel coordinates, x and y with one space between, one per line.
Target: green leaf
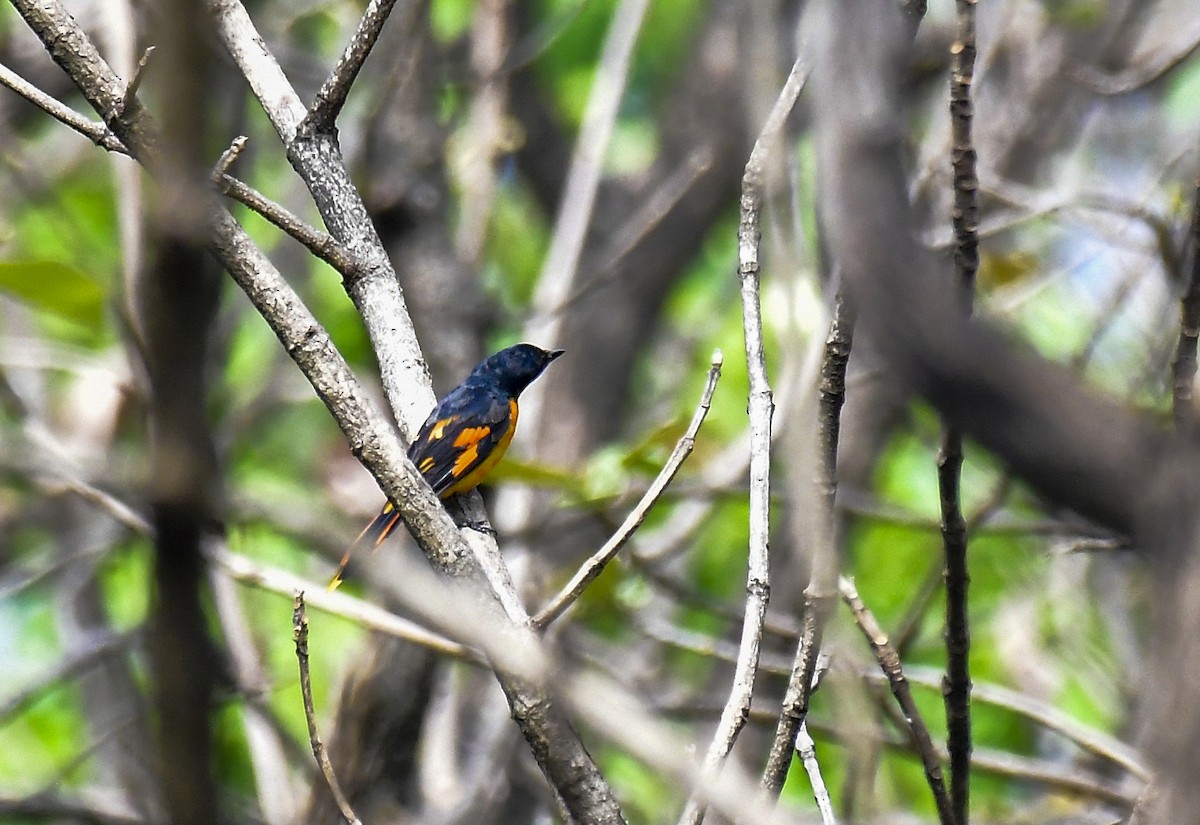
57 288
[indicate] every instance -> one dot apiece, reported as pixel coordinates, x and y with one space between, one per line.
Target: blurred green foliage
59 261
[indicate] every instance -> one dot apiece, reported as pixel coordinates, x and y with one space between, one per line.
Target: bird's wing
461 436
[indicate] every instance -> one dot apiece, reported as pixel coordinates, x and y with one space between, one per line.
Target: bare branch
300 637
889 662
333 92
594 566
808 757
761 408
1162 63
319 162
965 220
129 100
97 133
820 593
365 614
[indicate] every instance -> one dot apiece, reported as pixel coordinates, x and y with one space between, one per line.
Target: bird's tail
376 531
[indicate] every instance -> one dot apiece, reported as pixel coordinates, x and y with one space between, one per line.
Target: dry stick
319 243
892 668
807 748
761 406
820 594
332 94
594 566
1039 713
94 131
956 688
300 637
317 158
1183 368
1053 775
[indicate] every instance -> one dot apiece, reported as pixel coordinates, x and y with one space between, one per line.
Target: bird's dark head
514 368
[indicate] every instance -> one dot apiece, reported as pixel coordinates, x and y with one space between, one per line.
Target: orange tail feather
377 530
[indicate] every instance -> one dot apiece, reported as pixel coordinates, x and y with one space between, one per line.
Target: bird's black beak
554 353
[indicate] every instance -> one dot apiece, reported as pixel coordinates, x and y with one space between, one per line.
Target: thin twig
229 157
1028 770
1159 65
761 406
820 594
1039 713
276 791
319 243
362 613
300 637
1183 367
93 130
594 566
808 757
889 662
139 74
965 220
333 92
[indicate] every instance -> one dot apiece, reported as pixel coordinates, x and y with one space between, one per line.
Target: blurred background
462 134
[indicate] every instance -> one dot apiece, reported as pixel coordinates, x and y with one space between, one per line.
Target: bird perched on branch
467 433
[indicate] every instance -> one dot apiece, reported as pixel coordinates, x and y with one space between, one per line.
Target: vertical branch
300 637
761 405
956 686
821 592
1183 368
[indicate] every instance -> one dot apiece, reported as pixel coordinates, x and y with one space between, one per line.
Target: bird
468 432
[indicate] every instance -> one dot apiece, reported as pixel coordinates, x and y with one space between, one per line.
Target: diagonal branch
889 662
594 566
300 637
333 92
97 133
821 592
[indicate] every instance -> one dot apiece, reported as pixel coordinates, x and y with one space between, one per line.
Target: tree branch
965 218
820 594
594 566
889 662
761 408
300 637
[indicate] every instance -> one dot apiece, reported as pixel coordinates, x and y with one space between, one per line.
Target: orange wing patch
464 460
470 436
439 429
